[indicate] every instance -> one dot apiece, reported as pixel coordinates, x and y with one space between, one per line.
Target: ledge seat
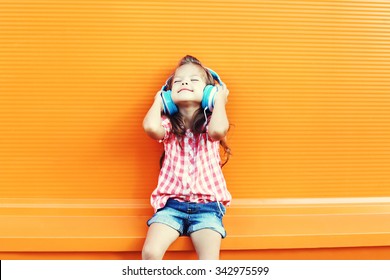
119 225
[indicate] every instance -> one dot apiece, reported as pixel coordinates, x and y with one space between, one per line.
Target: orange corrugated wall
309 94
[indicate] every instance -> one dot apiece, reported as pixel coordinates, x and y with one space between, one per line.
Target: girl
191 194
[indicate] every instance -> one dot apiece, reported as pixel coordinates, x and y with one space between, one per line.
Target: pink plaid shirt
191 172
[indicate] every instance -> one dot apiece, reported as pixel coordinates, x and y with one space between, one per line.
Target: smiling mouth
185 89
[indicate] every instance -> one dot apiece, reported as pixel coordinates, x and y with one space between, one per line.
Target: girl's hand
152 120
222 94
158 99
219 123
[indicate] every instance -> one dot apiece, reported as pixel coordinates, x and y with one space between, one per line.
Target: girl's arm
152 121
219 123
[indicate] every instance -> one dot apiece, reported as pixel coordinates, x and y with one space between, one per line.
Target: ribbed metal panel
309 83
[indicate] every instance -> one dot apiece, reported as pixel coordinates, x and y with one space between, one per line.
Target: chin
188 103
185 99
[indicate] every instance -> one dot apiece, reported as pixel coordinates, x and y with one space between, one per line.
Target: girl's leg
158 239
207 244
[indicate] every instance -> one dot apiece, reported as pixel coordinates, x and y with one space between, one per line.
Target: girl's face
188 84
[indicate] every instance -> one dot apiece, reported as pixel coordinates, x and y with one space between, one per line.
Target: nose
184 83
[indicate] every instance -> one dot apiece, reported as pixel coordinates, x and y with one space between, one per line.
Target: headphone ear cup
208 97
170 107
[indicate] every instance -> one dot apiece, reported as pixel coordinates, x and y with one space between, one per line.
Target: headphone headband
215 75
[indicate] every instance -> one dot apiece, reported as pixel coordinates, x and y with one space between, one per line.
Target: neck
187 113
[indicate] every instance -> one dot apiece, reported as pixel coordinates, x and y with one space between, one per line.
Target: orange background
309 83
309 96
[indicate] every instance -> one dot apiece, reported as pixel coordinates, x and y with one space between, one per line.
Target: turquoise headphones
209 92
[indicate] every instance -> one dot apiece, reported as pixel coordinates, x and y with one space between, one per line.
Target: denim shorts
188 217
